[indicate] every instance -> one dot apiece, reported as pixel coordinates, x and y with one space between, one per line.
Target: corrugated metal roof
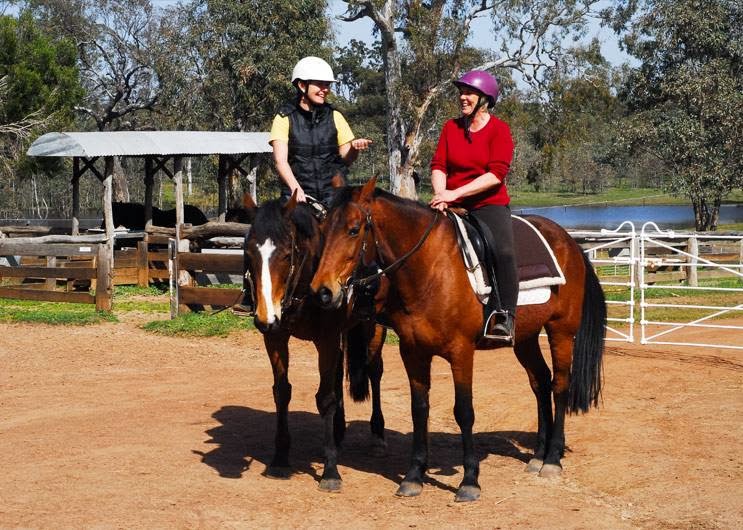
141 143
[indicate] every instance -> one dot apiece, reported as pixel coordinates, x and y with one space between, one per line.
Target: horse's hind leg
561 346
329 358
530 356
278 353
375 370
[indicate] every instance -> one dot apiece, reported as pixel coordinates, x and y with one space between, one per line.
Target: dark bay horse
131 215
282 250
434 311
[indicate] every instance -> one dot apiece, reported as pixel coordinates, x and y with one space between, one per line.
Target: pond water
597 217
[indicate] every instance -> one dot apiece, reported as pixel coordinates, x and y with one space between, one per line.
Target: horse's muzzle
265 327
325 298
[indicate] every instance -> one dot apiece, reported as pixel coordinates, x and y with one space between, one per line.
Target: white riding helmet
312 69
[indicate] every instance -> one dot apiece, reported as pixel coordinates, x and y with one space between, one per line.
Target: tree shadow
246 436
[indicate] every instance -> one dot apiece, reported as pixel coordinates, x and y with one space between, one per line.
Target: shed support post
75 229
149 180
105 261
178 180
108 215
253 177
222 186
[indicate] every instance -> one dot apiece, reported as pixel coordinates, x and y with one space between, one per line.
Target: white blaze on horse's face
272 311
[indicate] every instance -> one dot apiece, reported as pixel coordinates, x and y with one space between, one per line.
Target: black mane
269 221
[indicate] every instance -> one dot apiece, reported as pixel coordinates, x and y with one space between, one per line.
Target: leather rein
353 281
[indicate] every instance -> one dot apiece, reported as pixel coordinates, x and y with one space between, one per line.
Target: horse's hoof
550 471
467 494
330 485
534 465
409 489
278 472
378 447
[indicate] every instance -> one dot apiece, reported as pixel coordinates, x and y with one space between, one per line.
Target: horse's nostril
325 296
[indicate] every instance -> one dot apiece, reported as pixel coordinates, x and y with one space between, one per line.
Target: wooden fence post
172 272
104 278
143 265
691 271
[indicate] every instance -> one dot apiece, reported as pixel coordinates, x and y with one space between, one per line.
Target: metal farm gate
681 265
614 255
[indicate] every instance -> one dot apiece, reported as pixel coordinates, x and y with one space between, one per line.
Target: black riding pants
498 219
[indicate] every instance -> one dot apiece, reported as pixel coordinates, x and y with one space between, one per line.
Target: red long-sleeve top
491 151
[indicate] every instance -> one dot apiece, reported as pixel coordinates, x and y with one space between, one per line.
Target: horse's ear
291 204
337 181
367 192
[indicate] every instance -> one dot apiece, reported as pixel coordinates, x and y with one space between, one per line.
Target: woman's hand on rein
441 199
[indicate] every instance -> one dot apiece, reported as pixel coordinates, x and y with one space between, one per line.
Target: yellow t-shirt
280 128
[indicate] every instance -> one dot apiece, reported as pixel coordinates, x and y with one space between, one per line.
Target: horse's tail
585 375
357 344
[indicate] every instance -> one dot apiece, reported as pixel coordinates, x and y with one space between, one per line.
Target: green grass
54 313
200 325
637 196
142 299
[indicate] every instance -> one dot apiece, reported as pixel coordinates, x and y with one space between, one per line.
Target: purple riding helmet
481 81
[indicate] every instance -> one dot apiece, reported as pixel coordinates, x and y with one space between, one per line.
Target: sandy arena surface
109 426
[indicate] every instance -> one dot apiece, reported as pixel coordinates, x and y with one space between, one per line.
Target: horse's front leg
464 413
329 358
418 367
278 353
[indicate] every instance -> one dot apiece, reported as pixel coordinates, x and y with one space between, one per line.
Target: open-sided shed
162 151
159 149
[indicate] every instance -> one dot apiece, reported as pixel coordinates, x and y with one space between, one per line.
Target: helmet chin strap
468 119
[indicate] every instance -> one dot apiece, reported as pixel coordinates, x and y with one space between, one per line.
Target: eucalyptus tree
237 57
426 45
116 41
39 87
232 69
686 97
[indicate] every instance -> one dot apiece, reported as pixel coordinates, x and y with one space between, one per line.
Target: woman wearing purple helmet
469 170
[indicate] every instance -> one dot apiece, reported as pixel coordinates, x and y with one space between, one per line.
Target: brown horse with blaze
433 309
282 250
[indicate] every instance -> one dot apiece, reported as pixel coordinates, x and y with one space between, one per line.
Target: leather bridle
356 279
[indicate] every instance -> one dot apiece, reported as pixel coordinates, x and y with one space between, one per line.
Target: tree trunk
706 215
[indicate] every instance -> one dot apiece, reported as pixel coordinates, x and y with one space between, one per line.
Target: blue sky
361 30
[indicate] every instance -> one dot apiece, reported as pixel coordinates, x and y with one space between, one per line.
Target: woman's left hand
442 199
361 144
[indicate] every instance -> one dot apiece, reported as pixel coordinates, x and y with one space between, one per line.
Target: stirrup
499 326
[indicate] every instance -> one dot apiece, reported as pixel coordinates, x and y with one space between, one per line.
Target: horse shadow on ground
246 436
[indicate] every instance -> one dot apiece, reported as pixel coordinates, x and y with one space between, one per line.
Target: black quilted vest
313 149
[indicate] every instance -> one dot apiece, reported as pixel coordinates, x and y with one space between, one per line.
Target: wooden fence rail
76 259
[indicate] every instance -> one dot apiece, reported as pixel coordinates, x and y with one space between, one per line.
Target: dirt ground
109 426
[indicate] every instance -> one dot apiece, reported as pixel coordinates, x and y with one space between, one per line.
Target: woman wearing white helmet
311 141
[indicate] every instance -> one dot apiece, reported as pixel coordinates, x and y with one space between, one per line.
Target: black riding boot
500 326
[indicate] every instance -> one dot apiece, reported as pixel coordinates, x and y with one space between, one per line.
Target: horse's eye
354 231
